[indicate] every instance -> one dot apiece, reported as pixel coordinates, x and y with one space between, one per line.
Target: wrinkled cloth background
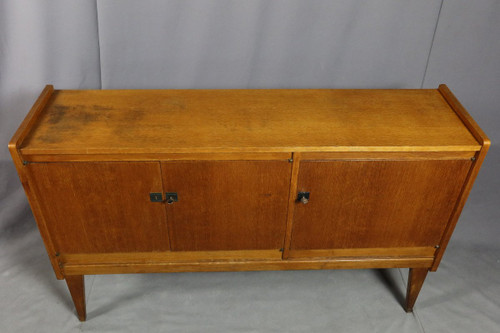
253 44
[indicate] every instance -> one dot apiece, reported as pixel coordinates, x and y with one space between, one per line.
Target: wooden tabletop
219 121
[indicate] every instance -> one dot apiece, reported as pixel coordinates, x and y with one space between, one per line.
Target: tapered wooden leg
416 279
76 286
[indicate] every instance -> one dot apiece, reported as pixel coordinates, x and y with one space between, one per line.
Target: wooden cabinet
135 181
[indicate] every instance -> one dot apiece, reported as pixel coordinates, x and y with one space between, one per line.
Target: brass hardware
155 197
437 246
473 158
290 160
303 197
171 197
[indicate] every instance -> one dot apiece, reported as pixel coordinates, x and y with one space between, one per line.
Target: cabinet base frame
74 273
250 265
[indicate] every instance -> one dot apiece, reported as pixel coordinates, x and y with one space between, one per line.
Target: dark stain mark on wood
101 108
127 118
75 119
168 105
88 117
133 115
57 114
48 139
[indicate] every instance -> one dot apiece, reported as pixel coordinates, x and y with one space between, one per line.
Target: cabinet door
101 207
227 205
376 204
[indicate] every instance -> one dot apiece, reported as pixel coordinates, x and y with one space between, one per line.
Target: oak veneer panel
376 204
245 255
227 205
101 207
365 252
167 256
390 156
159 156
14 145
248 265
174 261
191 121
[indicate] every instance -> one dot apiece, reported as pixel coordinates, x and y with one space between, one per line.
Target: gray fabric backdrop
252 44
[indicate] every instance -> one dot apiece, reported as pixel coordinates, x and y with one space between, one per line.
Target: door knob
303 197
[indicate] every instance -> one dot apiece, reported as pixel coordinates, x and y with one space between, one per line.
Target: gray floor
462 296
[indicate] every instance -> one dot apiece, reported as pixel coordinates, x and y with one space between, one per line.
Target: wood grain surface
356 204
76 286
14 148
167 256
365 252
101 207
156 266
416 278
227 205
483 139
216 121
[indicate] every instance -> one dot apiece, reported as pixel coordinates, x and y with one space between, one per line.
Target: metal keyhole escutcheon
171 197
303 197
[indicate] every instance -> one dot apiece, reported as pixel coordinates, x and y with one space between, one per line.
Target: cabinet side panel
227 205
101 207
379 204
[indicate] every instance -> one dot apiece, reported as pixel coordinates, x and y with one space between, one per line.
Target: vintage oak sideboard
139 181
